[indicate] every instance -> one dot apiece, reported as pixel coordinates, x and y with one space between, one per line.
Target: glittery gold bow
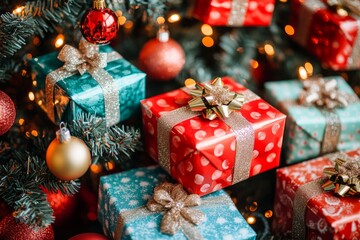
321 93
341 6
344 178
175 202
83 59
215 100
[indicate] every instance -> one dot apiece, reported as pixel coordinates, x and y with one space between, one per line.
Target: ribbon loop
344 178
215 100
177 203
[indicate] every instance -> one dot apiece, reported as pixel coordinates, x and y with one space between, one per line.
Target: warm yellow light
110 165
36 40
34 133
95 168
23 72
269 50
28 56
21 121
18 10
289 30
251 220
268 214
39 102
174 18
207 41
34 83
59 40
254 64
309 68
128 25
253 207
122 20
190 83
302 73
206 30
31 96
160 20
283 1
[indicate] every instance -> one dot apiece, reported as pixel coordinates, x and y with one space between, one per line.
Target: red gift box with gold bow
319 199
234 12
331 33
207 155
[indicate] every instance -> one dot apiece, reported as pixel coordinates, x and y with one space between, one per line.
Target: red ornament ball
7 113
64 206
11 229
99 26
89 236
162 60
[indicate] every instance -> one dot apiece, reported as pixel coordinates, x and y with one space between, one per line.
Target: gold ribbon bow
215 100
177 203
344 178
321 93
85 58
341 6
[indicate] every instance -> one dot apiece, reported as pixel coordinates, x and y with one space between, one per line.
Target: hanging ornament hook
63 134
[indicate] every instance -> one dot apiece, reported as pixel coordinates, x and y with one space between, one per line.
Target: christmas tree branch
113 143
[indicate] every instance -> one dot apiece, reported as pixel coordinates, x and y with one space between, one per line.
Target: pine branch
104 143
152 8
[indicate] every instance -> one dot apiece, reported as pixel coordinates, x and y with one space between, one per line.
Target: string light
253 206
289 30
268 214
190 83
283 1
21 121
251 220
207 41
302 73
254 64
31 96
34 83
36 41
95 168
18 10
174 18
206 29
309 68
59 40
34 133
269 50
160 20
128 25
109 165
121 20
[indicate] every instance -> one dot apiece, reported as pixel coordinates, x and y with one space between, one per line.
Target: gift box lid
83 89
284 95
126 192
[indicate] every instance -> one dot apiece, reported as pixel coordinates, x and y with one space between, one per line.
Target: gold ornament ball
68 160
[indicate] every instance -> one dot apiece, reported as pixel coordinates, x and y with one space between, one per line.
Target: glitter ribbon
242 129
188 229
303 195
344 177
238 12
352 5
86 59
215 100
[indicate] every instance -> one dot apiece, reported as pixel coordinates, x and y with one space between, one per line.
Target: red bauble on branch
100 24
64 206
89 236
162 58
7 113
11 229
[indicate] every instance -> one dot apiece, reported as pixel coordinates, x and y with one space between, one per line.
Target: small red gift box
207 155
303 210
234 12
333 39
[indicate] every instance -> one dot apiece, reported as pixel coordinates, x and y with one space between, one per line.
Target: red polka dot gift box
234 12
207 155
331 33
319 199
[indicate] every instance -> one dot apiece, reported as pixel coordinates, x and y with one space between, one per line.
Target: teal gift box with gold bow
143 204
91 79
323 116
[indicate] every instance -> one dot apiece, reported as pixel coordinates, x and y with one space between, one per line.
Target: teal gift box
305 128
112 90
123 214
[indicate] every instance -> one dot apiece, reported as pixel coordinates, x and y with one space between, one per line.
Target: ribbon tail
189 230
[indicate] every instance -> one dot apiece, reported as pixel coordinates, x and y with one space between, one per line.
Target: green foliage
106 144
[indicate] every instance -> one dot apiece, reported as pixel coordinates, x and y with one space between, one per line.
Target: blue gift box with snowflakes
123 214
306 126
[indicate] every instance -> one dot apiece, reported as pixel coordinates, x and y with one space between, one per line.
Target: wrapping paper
82 94
234 12
333 39
127 191
305 125
327 216
202 152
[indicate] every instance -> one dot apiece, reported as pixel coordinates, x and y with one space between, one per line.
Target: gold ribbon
341 6
324 94
344 177
176 203
86 59
215 100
